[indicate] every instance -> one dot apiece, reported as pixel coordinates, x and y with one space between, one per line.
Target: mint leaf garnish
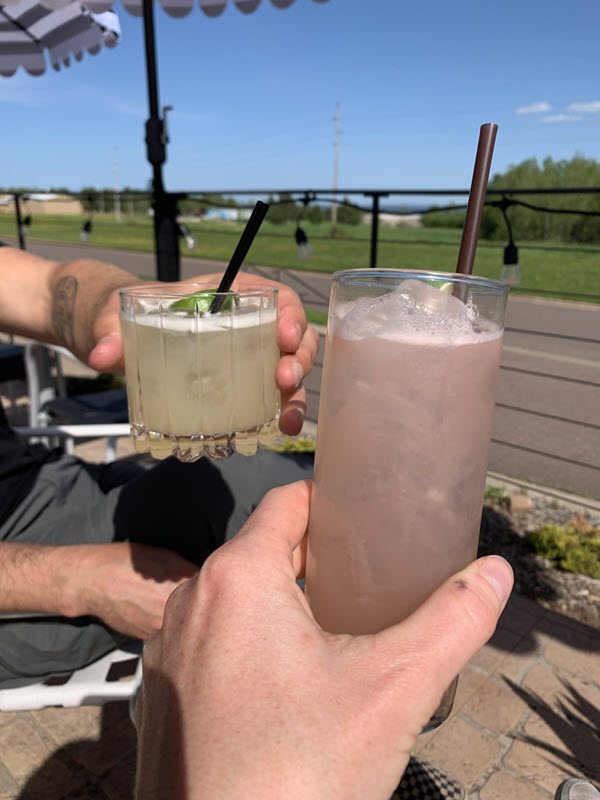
200 302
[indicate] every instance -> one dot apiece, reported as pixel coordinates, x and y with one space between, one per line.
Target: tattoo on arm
63 309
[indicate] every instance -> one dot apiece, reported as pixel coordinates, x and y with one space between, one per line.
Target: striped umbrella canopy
30 29
70 27
66 28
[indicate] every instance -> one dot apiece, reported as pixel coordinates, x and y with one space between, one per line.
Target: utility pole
336 162
117 188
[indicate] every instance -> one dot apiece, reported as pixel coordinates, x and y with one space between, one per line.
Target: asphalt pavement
547 418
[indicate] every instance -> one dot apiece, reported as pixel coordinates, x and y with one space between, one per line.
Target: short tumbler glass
200 383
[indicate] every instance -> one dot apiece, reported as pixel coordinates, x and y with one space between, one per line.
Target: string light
187 236
84 233
26 224
305 251
511 271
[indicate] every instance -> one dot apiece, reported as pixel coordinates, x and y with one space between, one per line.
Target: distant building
396 220
40 204
227 214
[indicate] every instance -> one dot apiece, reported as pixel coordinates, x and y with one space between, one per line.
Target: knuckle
220 575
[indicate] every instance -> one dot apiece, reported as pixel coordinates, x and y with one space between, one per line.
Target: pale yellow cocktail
200 383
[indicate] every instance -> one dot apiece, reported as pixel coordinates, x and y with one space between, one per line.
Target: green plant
301 445
495 494
568 548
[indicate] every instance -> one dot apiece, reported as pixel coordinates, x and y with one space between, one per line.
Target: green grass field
571 272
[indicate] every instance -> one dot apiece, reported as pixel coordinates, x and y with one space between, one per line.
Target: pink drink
404 427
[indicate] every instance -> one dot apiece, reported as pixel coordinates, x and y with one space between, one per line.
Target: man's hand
298 343
250 698
124 584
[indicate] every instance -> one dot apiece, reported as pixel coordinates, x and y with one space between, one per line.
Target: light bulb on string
305 251
84 233
187 236
511 271
25 225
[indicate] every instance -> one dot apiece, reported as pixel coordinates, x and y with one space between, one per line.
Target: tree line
284 208
528 224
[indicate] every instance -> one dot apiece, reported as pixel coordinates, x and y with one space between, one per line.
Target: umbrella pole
166 232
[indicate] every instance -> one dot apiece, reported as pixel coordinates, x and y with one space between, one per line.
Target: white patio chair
115 676
98 414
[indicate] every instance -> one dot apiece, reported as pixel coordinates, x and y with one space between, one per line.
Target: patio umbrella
166 230
29 30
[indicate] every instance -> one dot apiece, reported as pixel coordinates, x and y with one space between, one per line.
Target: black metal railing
507 197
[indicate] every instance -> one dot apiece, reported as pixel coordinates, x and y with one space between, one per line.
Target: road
547 417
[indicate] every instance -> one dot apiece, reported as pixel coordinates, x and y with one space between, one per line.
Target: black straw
256 219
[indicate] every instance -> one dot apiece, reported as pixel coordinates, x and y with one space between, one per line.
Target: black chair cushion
98 408
12 363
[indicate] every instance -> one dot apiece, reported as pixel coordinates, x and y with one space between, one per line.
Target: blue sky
254 96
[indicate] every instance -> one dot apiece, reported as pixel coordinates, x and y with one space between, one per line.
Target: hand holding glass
200 383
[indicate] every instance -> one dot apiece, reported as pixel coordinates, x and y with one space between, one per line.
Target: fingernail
297 370
498 573
300 333
104 339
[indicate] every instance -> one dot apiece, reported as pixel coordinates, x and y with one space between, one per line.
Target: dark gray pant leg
194 508
190 508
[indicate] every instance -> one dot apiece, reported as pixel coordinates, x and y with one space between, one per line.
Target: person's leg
65 506
194 508
190 508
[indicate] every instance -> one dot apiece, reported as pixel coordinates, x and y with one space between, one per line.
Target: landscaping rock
520 504
504 532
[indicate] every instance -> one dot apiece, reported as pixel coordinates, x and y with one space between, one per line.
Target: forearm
35 578
79 291
124 584
56 302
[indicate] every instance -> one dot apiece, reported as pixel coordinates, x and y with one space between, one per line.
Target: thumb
429 648
107 355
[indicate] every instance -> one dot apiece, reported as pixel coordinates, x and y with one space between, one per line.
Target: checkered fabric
423 781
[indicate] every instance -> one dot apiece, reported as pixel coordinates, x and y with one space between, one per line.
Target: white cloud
593 107
534 108
562 118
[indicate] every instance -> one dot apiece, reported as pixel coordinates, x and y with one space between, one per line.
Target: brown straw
481 172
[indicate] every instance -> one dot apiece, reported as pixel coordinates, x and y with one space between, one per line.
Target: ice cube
435 302
413 307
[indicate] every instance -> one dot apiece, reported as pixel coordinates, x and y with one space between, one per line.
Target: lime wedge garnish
200 302
443 286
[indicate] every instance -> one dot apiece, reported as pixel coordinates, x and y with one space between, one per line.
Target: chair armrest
75 431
